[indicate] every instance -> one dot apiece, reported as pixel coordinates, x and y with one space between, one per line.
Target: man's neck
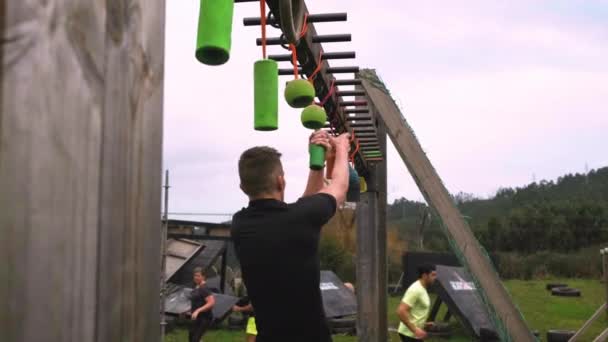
423 283
275 196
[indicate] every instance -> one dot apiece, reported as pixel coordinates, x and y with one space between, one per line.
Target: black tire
551 286
559 335
444 334
565 292
345 331
236 321
343 322
171 323
439 328
488 335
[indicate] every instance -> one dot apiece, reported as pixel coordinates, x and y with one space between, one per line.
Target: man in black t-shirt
201 304
277 243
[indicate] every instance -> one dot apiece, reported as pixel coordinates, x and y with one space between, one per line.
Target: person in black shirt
244 306
201 304
277 243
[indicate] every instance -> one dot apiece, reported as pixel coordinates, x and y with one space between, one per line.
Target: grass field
541 310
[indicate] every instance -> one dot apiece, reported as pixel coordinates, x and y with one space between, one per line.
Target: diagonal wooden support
587 324
602 337
439 198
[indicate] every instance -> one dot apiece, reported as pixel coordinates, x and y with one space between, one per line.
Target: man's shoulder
415 288
237 218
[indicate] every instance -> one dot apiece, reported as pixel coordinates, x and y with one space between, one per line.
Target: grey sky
496 92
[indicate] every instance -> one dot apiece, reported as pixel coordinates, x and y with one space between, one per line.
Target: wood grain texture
372 282
80 169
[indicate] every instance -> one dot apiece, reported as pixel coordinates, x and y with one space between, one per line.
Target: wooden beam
81 98
223 269
589 322
372 323
438 197
602 337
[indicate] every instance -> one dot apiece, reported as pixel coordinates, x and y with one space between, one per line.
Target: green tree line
564 215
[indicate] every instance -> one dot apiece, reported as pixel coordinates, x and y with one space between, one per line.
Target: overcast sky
497 92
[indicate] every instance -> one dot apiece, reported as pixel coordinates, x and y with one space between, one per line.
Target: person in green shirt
414 307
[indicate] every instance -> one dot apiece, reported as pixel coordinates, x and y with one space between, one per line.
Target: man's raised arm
315 177
339 177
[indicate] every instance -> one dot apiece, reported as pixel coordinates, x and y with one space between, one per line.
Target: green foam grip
299 93
214 31
266 95
313 117
317 157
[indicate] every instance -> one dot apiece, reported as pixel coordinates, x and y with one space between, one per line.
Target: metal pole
223 270
163 243
605 271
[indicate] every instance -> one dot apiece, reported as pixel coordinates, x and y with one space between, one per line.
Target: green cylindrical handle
266 95
317 157
214 31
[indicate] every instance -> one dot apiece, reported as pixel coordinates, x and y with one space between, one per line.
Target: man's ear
280 183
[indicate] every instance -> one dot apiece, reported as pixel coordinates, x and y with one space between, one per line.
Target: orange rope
317 69
329 93
294 60
263 23
294 53
304 26
353 138
352 156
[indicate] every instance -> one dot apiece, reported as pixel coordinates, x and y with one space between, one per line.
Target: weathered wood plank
80 163
372 323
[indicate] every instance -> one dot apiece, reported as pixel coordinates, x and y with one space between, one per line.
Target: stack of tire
343 325
562 290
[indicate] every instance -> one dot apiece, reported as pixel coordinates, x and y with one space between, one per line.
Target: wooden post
372 280
163 253
604 254
80 169
223 269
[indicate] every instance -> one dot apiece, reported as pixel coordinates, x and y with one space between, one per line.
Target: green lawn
541 310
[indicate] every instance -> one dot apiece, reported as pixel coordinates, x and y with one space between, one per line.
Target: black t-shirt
198 298
244 302
277 246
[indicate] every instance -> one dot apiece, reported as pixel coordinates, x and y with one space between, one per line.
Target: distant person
201 304
277 243
413 310
244 306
